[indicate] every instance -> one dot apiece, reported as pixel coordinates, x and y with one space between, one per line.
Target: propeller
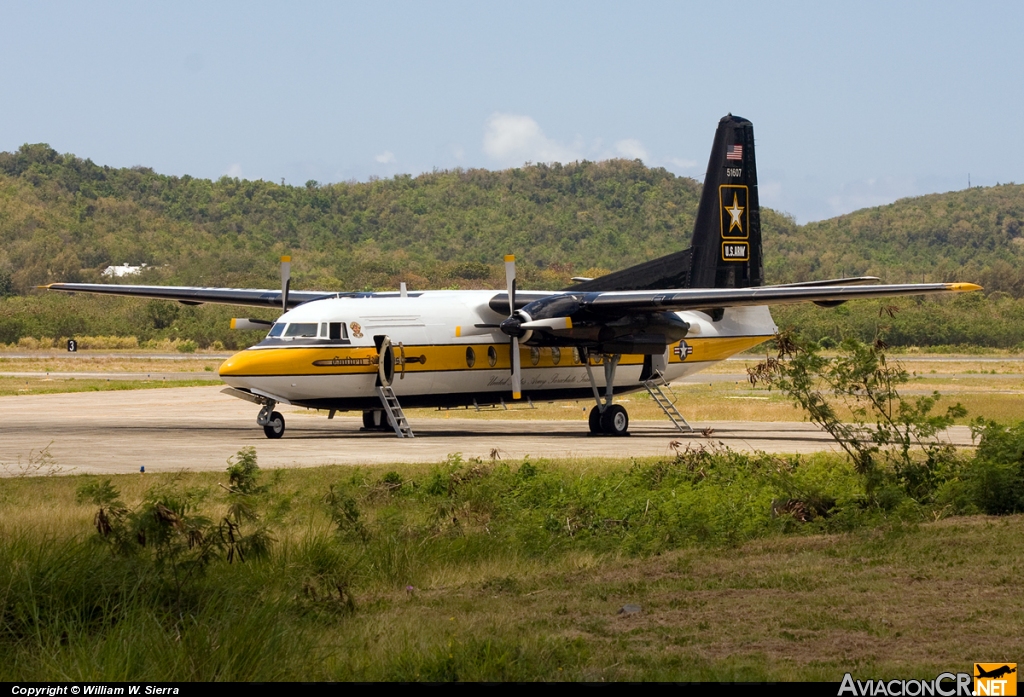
242 323
517 327
286 281
513 326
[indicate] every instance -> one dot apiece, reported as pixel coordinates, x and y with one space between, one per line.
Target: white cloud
512 139
870 192
681 163
631 149
234 170
385 158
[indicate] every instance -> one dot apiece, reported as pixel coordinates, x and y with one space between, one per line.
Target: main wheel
370 417
595 420
615 421
275 426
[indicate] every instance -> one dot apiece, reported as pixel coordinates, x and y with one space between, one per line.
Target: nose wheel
274 427
271 421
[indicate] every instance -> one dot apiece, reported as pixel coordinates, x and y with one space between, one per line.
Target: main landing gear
271 421
375 420
606 418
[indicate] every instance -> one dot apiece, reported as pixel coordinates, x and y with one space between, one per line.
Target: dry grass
106 363
907 602
10 386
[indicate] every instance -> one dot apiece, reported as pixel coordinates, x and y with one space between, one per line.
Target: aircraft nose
241 363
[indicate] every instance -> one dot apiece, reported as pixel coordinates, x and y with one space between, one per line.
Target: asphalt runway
198 428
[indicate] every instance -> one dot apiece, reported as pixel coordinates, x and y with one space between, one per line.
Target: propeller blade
477 330
510 281
286 281
552 323
241 323
517 386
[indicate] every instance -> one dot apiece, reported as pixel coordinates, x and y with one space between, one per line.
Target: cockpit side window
276 330
301 329
338 331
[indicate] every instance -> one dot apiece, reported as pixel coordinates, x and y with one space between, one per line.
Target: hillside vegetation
63 218
973 235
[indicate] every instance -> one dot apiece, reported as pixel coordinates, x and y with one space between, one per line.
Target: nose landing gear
271 421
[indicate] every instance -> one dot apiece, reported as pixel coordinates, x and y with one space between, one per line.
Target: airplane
637 328
995 673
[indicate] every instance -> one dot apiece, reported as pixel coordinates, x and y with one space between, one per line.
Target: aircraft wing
706 298
190 295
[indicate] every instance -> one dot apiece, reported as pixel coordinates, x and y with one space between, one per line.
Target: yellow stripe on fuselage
452 357
714 348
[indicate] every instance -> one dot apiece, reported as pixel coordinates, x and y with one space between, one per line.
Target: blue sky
853 104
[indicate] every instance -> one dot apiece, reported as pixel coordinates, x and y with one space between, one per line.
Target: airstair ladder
654 387
393 410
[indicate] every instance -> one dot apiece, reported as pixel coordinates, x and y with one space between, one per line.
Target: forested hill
971 235
64 218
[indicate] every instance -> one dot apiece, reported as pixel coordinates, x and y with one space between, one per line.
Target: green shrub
995 477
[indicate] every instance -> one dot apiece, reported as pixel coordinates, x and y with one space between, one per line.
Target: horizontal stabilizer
853 280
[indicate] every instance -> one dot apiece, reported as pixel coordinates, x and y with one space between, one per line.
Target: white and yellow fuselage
436 367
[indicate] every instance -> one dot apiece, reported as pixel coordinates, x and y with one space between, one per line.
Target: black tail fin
726 247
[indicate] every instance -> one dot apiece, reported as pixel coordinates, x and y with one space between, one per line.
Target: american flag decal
734 153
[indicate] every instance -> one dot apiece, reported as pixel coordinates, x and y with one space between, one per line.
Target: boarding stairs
393 410
654 386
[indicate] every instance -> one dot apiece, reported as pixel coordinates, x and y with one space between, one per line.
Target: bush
994 479
890 440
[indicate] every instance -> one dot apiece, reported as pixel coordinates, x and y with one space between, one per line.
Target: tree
854 396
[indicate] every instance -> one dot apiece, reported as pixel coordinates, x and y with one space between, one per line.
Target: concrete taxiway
198 428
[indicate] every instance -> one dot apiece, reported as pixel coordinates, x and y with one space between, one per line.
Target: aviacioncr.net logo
944 685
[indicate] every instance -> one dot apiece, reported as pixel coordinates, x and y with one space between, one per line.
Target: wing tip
963 287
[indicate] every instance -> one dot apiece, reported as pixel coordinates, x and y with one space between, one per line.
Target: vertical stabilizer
726 249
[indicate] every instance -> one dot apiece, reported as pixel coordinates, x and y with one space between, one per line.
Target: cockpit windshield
301 329
335 331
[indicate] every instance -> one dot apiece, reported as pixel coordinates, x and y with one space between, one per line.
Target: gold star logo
736 214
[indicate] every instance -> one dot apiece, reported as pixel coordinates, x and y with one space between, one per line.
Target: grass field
514 571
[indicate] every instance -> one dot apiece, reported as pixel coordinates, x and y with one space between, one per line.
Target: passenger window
276 330
301 329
